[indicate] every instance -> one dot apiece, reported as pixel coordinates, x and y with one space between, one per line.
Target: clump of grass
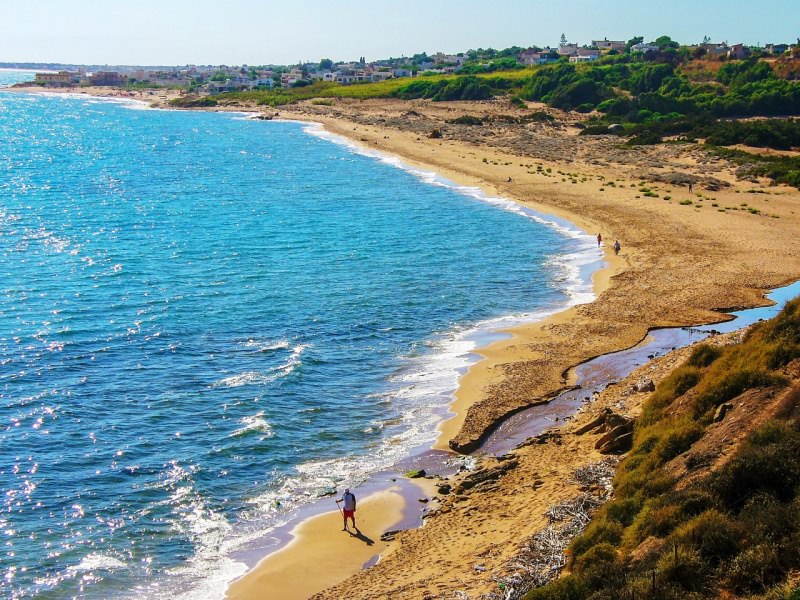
466 120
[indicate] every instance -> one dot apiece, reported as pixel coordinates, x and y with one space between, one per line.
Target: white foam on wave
254 423
97 562
211 568
265 377
132 103
266 345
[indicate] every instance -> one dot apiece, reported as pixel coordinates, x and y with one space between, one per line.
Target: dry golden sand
157 98
678 265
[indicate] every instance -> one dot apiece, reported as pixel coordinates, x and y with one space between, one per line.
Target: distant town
218 79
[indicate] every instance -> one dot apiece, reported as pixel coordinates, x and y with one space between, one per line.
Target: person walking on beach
349 500
616 247
599 240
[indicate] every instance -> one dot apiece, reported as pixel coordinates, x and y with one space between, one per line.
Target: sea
208 321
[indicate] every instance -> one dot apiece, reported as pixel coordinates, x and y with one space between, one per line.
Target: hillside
706 504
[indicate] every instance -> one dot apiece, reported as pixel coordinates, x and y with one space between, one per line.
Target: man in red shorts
349 500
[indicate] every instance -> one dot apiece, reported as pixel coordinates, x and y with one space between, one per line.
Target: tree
632 42
326 64
663 42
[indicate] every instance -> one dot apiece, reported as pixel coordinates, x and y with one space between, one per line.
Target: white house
738 52
380 75
644 47
263 82
585 55
440 58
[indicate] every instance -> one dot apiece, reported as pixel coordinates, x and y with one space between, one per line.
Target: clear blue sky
283 32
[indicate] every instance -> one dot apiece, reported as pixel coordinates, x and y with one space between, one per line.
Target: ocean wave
254 424
97 562
262 378
265 345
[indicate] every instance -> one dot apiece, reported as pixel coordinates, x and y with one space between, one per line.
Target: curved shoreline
612 285
648 289
285 570
601 280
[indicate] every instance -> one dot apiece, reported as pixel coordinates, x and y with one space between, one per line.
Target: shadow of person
360 536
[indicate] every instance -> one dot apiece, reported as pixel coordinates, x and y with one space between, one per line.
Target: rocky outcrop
644 385
617 432
485 475
722 411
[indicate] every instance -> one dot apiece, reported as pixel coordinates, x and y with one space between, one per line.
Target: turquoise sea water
202 314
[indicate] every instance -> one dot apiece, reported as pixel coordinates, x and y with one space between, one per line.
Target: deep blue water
202 314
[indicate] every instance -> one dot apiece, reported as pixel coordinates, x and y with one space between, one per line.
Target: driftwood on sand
542 557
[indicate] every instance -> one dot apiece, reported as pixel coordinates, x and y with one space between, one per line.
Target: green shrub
703 355
769 463
566 588
599 566
623 510
645 138
677 439
656 519
715 535
682 567
466 120
600 530
754 569
696 501
194 101
674 386
540 116
729 384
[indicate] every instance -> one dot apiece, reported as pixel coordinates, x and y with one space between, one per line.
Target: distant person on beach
349 500
616 247
599 240
690 187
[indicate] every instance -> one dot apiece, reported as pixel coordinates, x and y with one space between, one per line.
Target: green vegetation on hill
730 531
675 91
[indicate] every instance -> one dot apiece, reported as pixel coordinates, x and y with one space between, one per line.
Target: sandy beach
684 258
679 265
321 554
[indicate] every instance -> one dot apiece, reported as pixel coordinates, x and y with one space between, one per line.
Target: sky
254 32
